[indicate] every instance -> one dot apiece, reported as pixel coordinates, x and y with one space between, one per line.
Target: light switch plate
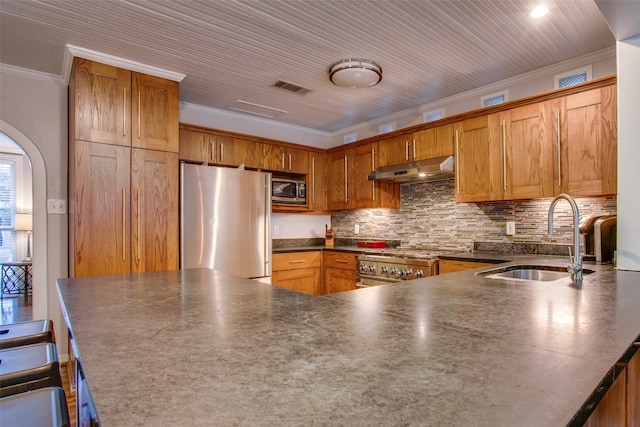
56 206
356 229
276 230
511 228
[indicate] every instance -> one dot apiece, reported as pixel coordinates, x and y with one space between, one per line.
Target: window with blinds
7 206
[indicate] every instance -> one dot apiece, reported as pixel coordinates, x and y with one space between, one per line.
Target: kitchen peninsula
200 347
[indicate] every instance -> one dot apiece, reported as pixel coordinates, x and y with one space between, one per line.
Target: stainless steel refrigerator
226 220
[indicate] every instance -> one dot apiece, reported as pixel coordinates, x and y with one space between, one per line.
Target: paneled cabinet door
306 280
340 175
196 146
394 151
434 142
479 159
372 194
317 182
285 159
365 163
338 280
100 101
101 224
155 117
154 217
588 143
238 151
527 144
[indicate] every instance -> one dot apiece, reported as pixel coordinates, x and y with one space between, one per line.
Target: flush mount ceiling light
539 11
355 73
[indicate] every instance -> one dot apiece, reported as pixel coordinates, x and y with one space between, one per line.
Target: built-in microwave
290 191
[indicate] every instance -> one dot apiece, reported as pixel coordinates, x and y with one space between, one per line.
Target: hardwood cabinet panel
285 159
196 146
237 151
296 260
317 182
633 389
101 223
298 271
343 260
340 170
588 141
372 194
451 266
528 152
394 151
306 280
155 213
434 142
365 163
100 101
611 411
155 113
338 280
479 159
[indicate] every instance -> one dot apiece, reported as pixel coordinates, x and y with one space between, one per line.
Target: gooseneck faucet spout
575 266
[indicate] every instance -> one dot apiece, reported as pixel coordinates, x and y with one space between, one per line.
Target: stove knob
363 268
406 274
419 274
395 272
384 270
372 269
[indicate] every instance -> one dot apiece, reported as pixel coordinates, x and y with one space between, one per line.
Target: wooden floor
18 309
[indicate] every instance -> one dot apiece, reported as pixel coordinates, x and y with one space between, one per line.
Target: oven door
368 281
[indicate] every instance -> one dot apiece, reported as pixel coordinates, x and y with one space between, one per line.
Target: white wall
298 226
33 112
628 154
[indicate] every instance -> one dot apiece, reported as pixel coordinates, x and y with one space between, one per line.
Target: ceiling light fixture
539 11
355 73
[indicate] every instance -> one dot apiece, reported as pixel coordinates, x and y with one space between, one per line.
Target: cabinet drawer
296 260
342 260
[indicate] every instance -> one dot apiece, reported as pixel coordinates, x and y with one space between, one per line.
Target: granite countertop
200 347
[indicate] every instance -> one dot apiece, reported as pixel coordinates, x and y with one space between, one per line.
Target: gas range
373 270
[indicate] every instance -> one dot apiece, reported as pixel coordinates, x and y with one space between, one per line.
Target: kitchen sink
530 273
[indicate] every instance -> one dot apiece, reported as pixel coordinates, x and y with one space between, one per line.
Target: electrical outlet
511 228
56 206
276 230
356 229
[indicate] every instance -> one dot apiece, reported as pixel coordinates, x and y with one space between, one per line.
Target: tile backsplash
430 218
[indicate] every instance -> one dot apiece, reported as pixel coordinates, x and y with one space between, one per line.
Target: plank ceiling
234 50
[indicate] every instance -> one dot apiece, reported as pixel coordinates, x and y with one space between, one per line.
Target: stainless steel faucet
575 266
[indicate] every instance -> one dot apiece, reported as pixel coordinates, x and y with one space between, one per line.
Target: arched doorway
40 305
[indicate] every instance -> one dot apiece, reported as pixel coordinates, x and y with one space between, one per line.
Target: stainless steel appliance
433 169
226 220
373 270
600 236
288 191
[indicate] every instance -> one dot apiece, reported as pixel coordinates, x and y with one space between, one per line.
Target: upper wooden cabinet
341 189
317 182
285 159
372 194
478 159
588 143
116 106
434 142
425 144
527 147
205 146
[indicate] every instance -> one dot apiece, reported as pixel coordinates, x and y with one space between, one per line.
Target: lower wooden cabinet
298 271
451 266
339 272
620 406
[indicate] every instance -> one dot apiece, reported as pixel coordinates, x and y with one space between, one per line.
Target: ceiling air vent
291 87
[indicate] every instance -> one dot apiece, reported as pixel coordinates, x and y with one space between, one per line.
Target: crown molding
490 88
31 74
72 51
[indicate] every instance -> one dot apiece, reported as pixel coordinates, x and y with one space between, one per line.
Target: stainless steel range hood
433 169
